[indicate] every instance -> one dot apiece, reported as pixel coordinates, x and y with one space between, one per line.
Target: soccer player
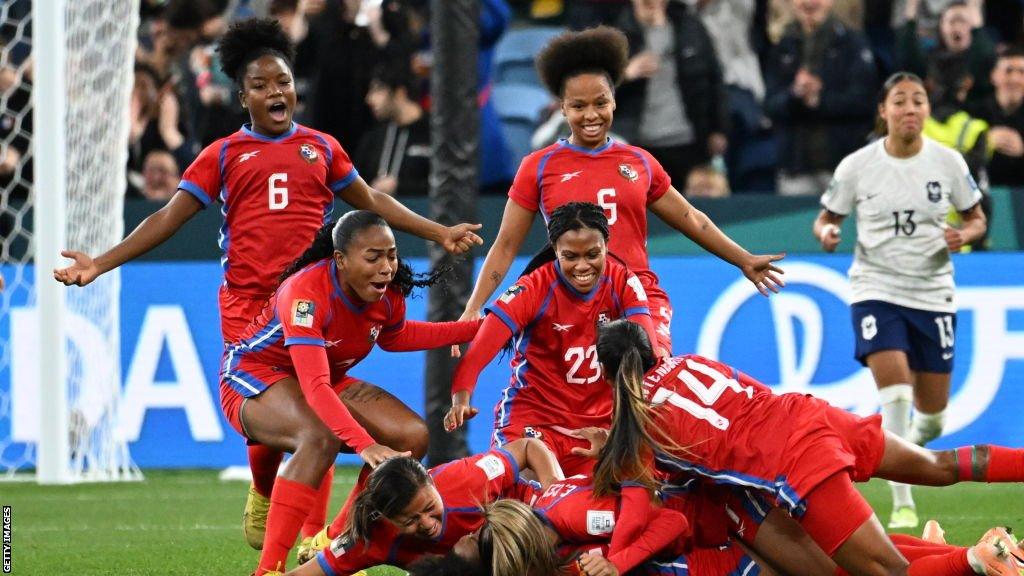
697 418
276 181
285 383
550 316
405 511
581 69
900 189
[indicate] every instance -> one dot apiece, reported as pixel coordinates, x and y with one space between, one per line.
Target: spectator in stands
960 35
394 156
581 14
156 122
347 52
1004 111
160 175
706 182
295 17
820 85
672 101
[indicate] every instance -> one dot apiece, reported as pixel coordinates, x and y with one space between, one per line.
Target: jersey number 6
278 195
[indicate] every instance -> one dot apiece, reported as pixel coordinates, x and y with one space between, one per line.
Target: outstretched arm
515 225
678 213
455 239
415 335
489 339
152 232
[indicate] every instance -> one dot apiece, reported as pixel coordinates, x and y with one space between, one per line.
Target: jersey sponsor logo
341 544
638 288
561 327
302 313
511 293
374 333
331 343
627 172
570 175
947 355
247 155
934 191
308 153
868 327
492 466
600 522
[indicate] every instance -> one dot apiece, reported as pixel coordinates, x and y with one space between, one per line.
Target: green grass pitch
188 522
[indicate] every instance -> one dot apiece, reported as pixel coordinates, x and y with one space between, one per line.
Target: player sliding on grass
582 69
285 383
404 511
697 418
277 181
550 318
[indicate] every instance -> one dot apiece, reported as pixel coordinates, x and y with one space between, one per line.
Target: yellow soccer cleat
311 546
903 517
254 519
933 532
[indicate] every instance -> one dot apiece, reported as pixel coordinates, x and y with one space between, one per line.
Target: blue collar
357 308
247 128
587 296
607 144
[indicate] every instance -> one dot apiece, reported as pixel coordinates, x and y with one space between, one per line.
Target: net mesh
100 42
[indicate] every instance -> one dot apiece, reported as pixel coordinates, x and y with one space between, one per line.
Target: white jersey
901 206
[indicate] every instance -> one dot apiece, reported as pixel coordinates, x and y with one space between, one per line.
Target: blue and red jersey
622 179
276 193
736 431
464 485
556 378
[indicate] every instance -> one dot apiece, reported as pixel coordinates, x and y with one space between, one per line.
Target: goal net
99 42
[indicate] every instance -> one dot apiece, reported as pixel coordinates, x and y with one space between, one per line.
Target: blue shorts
926 337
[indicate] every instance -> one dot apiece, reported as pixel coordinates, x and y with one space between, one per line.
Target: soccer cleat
254 519
312 545
1005 536
904 517
933 532
992 559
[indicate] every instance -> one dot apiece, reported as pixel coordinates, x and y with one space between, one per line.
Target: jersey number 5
611 210
278 195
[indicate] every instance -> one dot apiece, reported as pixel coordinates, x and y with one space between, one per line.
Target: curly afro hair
601 50
247 40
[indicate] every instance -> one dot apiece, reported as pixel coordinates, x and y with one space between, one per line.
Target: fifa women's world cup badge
308 153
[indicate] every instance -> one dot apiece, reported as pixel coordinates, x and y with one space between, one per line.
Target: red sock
338 524
318 515
949 564
289 505
1005 464
264 462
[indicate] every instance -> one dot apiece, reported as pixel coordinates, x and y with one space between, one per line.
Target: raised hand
82 272
763 273
461 237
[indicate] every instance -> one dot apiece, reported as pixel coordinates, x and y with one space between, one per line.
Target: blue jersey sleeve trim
637 311
303 340
194 189
321 559
504 317
511 461
340 185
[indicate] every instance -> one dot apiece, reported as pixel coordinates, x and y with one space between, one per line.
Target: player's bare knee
415 438
321 442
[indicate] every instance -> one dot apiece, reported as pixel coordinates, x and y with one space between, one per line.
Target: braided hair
566 218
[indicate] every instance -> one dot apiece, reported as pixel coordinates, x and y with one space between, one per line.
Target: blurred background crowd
731 96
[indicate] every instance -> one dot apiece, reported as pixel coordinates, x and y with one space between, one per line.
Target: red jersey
311 308
464 485
622 179
735 430
276 193
556 379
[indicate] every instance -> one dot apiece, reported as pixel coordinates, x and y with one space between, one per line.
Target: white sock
926 427
896 402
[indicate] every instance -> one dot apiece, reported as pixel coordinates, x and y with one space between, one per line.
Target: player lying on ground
286 385
405 511
581 70
549 318
698 418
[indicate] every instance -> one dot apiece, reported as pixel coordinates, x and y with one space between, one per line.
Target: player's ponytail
625 351
390 488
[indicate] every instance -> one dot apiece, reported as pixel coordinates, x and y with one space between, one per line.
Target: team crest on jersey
308 153
374 333
341 544
510 293
934 191
628 172
302 313
531 432
603 318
